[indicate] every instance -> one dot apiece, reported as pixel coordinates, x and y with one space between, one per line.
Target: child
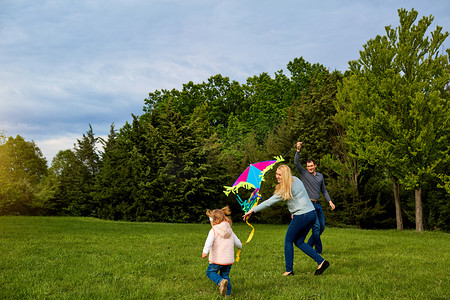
221 241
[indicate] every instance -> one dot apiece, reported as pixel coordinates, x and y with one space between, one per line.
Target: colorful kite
251 178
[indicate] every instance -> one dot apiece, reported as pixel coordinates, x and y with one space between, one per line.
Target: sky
65 65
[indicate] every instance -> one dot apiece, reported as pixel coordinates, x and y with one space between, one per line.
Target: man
314 184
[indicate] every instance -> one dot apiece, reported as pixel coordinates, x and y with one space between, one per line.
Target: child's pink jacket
220 244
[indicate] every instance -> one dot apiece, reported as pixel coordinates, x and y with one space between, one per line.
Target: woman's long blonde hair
219 215
284 188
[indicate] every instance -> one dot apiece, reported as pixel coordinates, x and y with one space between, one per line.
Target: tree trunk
419 212
398 209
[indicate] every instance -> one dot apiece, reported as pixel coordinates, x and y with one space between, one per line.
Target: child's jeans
213 273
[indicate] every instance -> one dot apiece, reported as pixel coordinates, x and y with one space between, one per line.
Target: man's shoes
291 273
223 287
322 268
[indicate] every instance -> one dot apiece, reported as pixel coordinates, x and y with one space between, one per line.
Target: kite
251 178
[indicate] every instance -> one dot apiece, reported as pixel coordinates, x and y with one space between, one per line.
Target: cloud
68 65
50 147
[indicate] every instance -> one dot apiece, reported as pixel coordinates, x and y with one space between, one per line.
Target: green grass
86 258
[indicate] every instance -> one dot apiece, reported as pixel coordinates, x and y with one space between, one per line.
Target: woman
292 190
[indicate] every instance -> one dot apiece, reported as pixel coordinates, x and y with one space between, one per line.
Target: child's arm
237 242
208 243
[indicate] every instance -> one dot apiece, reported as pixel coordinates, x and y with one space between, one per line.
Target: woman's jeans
297 231
213 273
318 228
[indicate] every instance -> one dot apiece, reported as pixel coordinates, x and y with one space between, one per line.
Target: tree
71 193
264 105
86 151
302 72
2 137
311 120
86 167
163 167
224 98
394 106
113 183
22 167
187 172
71 178
129 165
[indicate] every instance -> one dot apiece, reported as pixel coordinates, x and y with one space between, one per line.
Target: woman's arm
269 202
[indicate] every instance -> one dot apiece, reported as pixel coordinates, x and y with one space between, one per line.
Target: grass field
86 258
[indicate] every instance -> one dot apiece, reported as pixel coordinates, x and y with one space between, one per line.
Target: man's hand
204 255
299 145
332 205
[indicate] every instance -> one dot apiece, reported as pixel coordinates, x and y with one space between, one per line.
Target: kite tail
248 240
250 236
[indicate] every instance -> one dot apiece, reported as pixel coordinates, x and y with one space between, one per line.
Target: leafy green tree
45 195
311 120
436 203
264 105
87 152
164 166
2 137
187 158
302 73
70 183
139 142
394 106
69 176
113 182
22 167
359 189
224 98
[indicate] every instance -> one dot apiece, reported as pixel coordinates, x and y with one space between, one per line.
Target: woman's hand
204 255
247 215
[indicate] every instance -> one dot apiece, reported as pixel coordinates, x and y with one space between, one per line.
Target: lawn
87 258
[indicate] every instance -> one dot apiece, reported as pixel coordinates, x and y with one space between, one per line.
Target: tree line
379 132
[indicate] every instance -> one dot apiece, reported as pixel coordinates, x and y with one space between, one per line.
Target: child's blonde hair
219 215
284 188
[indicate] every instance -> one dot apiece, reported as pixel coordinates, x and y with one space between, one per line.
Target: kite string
289 150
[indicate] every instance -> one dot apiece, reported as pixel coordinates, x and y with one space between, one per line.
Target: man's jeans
318 228
212 273
297 231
